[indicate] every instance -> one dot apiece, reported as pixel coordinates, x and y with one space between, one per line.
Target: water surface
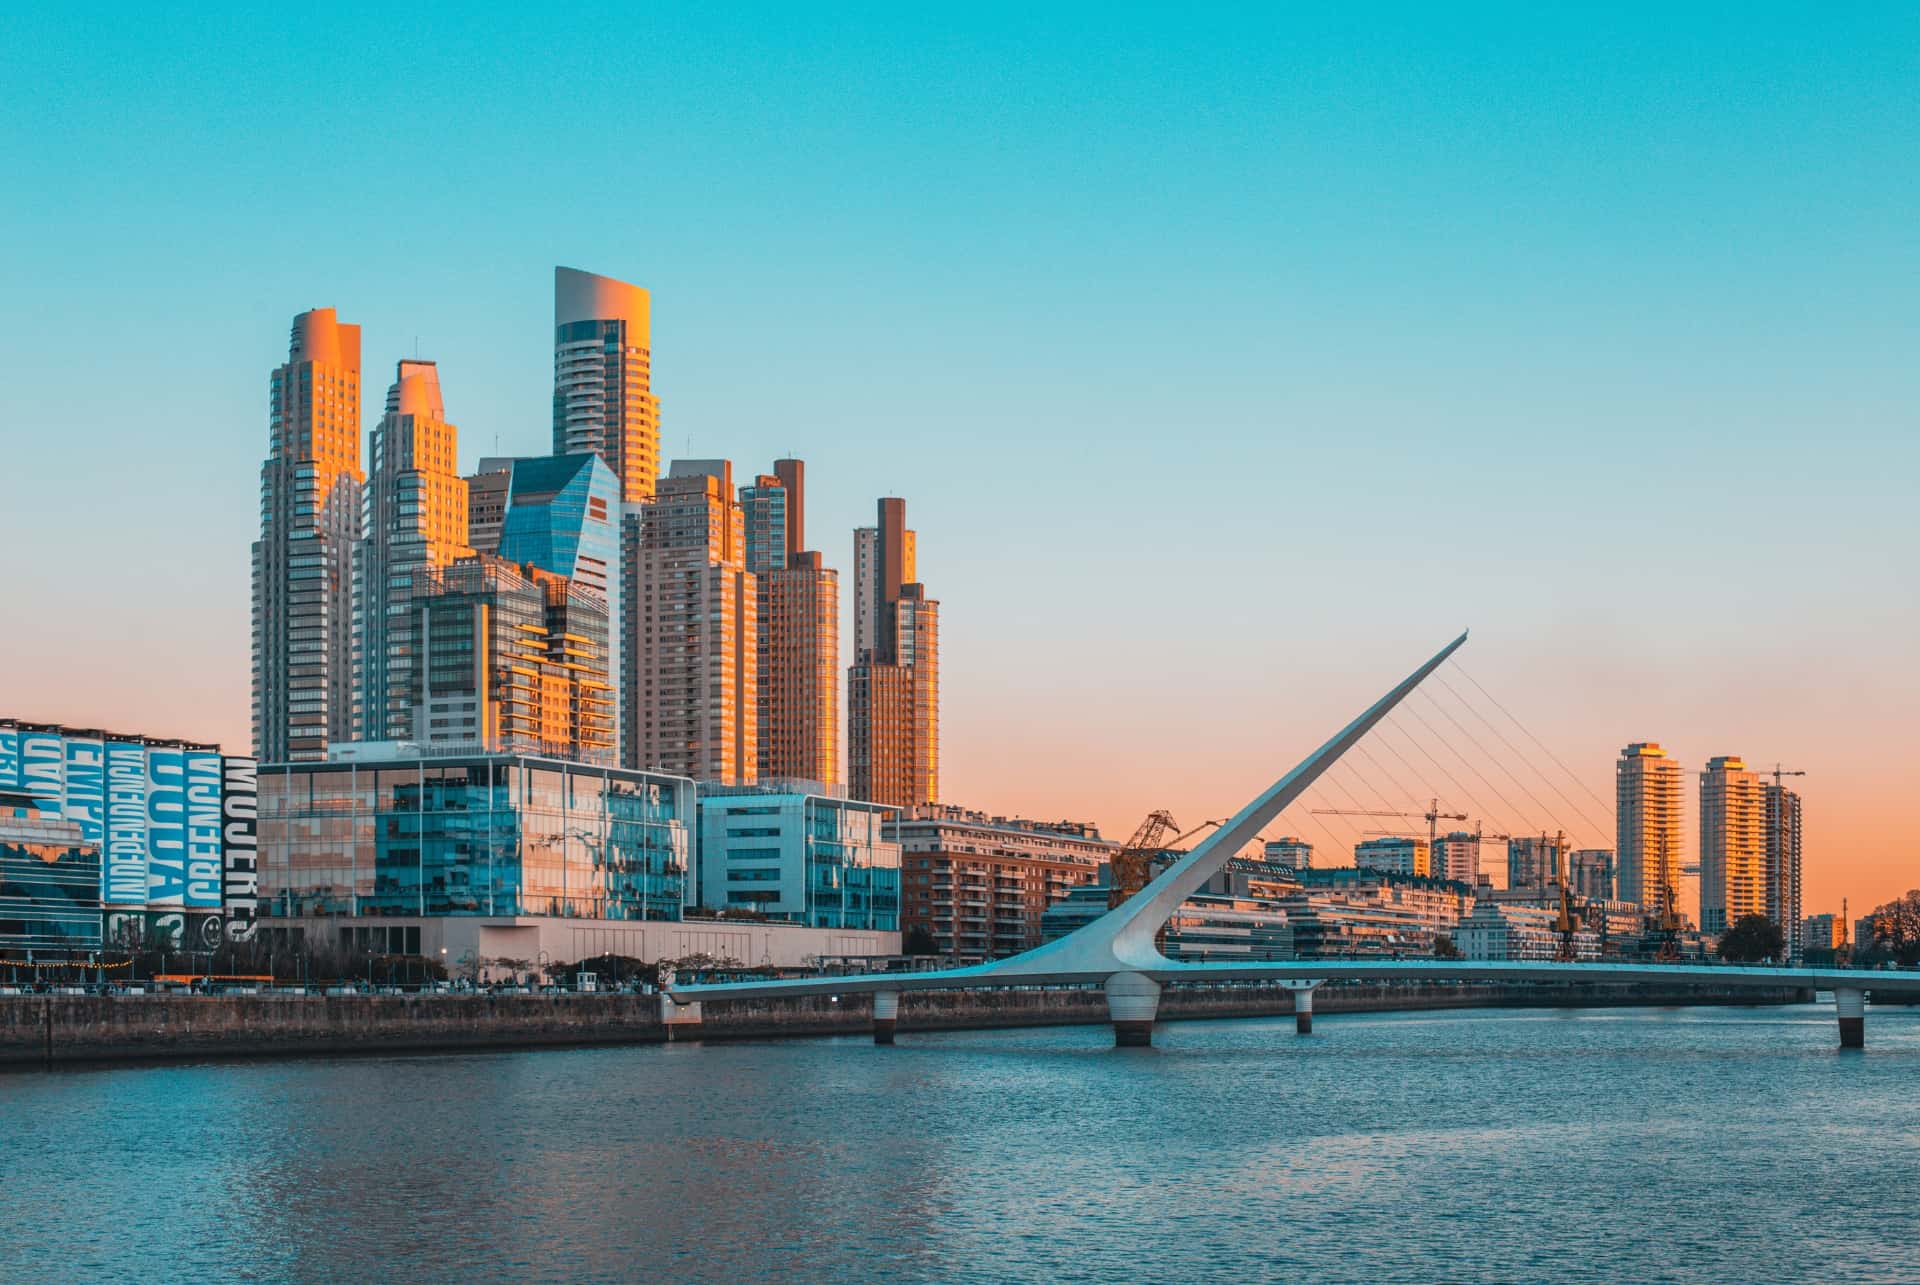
1617 1144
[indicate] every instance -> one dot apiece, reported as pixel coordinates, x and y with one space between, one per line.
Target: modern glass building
563 515
495 835
49 882
795 852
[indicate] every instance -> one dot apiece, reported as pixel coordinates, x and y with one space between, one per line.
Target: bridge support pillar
886 1008
1850 1004
682 1020
1302 1006
1132 1001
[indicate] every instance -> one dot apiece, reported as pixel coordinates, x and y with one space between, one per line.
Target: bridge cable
1513 809
1525 731
1515 751
1497 762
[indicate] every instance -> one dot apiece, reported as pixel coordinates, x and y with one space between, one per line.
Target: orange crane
1133 863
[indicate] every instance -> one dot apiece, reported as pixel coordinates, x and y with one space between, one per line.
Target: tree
919 941
1752 939
1443 947
1896 931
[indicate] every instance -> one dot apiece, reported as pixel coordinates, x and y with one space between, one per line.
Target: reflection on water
1656 1144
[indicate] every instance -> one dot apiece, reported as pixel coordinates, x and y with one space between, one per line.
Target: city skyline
1601 363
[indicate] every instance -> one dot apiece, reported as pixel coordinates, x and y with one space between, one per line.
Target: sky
1230 360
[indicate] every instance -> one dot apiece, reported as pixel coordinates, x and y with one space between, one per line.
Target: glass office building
486 835
798 852
49 882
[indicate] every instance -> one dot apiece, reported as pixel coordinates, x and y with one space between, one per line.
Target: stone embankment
52 1030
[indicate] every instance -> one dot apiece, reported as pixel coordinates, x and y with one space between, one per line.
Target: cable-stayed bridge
1118 951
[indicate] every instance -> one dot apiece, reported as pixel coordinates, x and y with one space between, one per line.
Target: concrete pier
1302 1010
1133 999
1850 1004
886 1011
681 1020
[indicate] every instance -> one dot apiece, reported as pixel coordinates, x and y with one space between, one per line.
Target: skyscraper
487 502
1783 867
691 647
1591 873
799 631
1733 844
602 378
414 520
893 687
1647 790
563 515
512 658
303 561
1535 860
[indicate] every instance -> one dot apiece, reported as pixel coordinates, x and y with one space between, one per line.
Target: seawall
55 1030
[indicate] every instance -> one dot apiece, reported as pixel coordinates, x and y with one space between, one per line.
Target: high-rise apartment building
1290 851
513 659
303 561
413 520
893 687
1647 793
1592 873
1456 856
1395 854
487 502
799 631
603 398
1733 844
1783 867
691 647
1536 860
563 515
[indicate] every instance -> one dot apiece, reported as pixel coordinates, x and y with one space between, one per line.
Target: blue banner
204 852
43 769
86 787
124 868
166 828
9 758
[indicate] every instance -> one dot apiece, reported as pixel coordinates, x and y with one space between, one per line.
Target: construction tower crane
1433 816
1132 864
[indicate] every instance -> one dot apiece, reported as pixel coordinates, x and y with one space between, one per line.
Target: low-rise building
799 852
1504 930
1349 913
979 884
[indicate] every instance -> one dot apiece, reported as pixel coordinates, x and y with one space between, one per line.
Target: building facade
1289 851
1733 844
790 851
491 835
413 521
893 686
563 515
798 631
487 489
303 561
1456 856
168 824
1395 854
1783 865
1592 873
50 882
1820 933
1503 931
1536 860
603 400
692 644
1344 912
513 660
979 884
1647 816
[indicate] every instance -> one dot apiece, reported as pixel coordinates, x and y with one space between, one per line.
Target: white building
800 852
1502 931
1287 850
1395 854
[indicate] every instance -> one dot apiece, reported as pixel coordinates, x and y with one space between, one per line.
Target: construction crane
1133 863
1433 816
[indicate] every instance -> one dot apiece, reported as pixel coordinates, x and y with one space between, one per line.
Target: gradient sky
1229 362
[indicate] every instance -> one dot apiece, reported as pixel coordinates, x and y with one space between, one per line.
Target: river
1520 1145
